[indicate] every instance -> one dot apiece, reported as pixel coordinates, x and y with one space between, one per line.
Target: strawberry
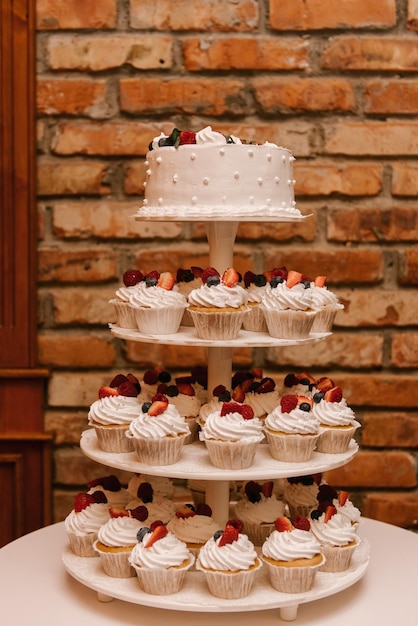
153 274
158 533
288 402
154 525
200 375
204 509
150 377
128 389
118 380
320 281
218 390
209 271
229 535
197 271
293 278
279 271
283 524
185 511
140 513
238 394
290 380
324 384
249 278
257 372
157 408
132 277
118 512
186 137
107 391
266 385
228 407
159 397
302 400
329 512
236 523
267 488
342 497
306 379
317 478
110 483
247 384
301 522
82 501
166 281
246 411
186 389
326 493
188 380
334 395
230 277
99 497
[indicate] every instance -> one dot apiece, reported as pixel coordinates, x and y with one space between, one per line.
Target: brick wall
333 81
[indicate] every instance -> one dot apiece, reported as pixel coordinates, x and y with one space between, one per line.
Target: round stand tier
194 596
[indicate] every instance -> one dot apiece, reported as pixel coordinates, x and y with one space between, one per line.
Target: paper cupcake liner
300 509
165 451
223 325
292 579
82 545
335 440
116 564
254 320
161 582
257 533
125 317
194 429
324 319
230 585
289 324
113 439
231 454
154 321
291 448
338 558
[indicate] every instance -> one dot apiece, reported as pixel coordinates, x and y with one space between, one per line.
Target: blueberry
225 396
254 497
190 506
315 514
276 280
306 283
304 381
145 407
318 396
188 276
164 376
305 406
213 281
260 280
172 391
218 534
142 532
151 281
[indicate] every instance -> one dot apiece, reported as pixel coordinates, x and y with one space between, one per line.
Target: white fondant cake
218 176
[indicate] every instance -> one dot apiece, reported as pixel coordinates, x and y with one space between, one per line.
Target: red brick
404 352
395 54
183 95
72 467
257 231
59 350
82 307
340 265
323 179
242 53
344 14
134 178
408 273
65 426
404 179
400 509
412 14
111 139
57 178
75 14
68 266
384 429
373 224
75 97
368 307
107 220
384 390
376 469
391 96
85 53
386 138
307 94
217 15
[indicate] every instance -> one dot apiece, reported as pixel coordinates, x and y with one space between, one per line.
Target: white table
36 589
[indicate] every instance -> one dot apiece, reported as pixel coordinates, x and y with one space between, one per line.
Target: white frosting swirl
114 498
159 509
262 403
168 424
290 545
219 296
266 510
187 406
161 485
338 531
231 427
157 298
114 410
297 421
164 553
232 557
255 294
209 407
322 297
119 531
348 510
299 494
295 298
88 520
207 135
193 529
334 413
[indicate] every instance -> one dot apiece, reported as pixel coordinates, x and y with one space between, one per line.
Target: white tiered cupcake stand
194 464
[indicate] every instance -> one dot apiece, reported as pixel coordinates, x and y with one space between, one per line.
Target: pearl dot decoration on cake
194 199
159 160
236 175
193 156
206 181
277 179
250 153
260 181
222 151
268 157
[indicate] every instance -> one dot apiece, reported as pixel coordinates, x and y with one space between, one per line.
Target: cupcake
337 423
232 435
229 562
220 394
159 433
193 525
115 540
287 307
116 494
160 485
300 494
255 285
159 307
258 509
183 396
346 508
83 522
326 304
152 379
159 507
292 555
292 430
219 305
262 396
125 317
160 560
302 384
337 536
187 280
110 415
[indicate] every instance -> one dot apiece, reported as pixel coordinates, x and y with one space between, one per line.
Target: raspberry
132 277
209 271
186 136
301 522
246 411
228 407
288 403
229 535
82 501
